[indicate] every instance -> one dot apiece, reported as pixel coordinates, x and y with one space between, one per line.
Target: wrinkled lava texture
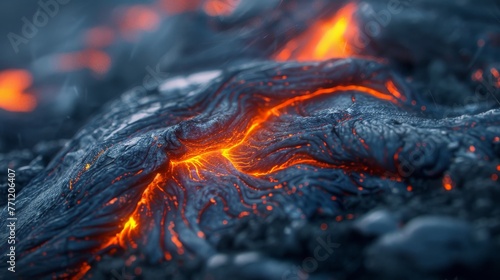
337 169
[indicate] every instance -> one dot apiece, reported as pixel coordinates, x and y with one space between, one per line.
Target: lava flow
236 152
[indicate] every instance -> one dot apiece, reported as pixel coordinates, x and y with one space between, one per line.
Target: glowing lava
323 40
125 237
235 154
13 84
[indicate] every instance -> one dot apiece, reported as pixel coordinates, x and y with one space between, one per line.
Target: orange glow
477 75
447 183
175 238
84 268
393 90
138 18
325 39
13 95
220 7
195 162
99 37
177 7
131 223
95 60
496 75
128 229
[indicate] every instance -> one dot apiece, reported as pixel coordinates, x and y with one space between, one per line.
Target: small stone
376 223
428 244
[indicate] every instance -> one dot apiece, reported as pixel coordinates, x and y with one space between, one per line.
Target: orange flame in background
177 7
13 97
99 37
220 7
95 60
496 76
447 182
325 39
138 18
133 21
210 7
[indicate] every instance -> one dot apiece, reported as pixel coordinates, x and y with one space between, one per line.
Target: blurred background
61 60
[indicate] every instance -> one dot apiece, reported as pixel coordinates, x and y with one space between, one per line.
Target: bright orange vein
133 221
13 84
239 159
324 40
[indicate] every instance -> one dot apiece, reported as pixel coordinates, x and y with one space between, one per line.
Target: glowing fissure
202 161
